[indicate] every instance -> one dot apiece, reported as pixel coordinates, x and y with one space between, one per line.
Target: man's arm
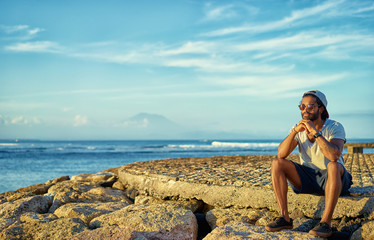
287 145
331 149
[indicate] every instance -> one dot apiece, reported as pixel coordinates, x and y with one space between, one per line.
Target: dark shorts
314 181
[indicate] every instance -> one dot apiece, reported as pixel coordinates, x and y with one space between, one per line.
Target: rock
118 185
13 196
365 232
95 177
267 218
57 229
37 204
112 233
156 221
31 217
192 205
37 189
219 217
87 211
11 211
57 180
349 225
239 230
304 224
88 192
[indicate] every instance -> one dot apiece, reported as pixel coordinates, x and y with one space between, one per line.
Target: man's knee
334 168
278 164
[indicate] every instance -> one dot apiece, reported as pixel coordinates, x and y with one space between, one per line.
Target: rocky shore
228 197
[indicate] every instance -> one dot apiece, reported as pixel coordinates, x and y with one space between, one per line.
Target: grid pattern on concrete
250 170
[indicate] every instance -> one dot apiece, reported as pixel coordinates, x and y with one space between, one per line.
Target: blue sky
83 69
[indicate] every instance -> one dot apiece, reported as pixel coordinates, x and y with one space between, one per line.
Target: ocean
28 162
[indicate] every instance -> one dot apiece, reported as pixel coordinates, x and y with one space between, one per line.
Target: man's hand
306 125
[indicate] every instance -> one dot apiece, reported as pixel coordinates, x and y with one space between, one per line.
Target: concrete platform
244 181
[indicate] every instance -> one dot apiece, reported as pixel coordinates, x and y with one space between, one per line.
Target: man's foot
322 229
278 224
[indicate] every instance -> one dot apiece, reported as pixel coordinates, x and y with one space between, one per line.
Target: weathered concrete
239 230
243 181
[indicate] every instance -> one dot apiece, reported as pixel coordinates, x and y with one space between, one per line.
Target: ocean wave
9 144
245 144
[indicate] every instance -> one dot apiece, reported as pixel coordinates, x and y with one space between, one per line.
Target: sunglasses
308 107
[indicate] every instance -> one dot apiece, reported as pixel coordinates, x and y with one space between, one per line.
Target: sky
216 69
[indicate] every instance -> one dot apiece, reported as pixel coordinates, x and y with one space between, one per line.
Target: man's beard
311 117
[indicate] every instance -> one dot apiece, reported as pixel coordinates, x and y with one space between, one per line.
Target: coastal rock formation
88 211
156 221
200 198
57 229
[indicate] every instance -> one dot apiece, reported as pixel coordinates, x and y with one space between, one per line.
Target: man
321 170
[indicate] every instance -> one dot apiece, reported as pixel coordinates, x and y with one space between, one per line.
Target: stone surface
95 177
157 220
57 229
243 182
239 230
192 205
365 232
11 211
31 217
112 233
57 180
88 192
36 189
13 196
118 185
219 217
87 211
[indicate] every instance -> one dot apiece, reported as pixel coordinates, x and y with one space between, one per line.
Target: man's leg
333 188
281 170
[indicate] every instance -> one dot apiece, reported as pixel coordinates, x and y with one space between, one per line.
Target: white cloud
39 46
80 120
191 47
20 32
220 13
19 120
270 85
286 22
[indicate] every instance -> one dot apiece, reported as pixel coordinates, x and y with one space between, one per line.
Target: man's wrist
294 130
317 134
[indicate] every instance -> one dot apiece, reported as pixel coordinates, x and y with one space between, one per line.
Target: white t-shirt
310 153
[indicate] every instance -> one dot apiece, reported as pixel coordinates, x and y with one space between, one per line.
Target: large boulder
88 211
11 211
155 221
35 229
219 217
239 230
85 192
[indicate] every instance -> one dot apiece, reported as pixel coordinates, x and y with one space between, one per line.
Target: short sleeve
337 131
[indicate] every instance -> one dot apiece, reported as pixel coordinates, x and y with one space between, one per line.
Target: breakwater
193 198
